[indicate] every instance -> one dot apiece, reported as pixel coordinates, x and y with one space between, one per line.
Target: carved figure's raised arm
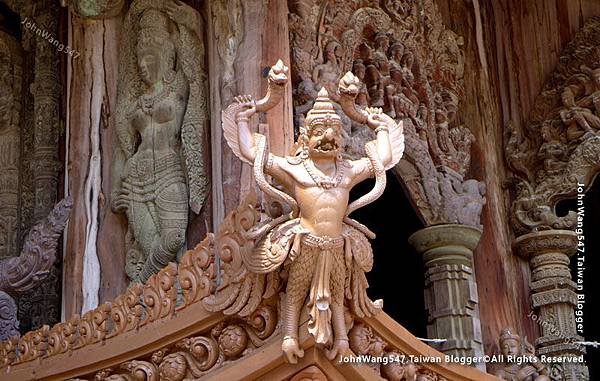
235 118
390 137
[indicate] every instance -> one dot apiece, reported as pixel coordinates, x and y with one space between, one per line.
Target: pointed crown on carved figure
154 35
508 334
322 113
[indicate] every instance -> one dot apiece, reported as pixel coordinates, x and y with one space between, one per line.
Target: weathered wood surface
92 96
511 47
244 39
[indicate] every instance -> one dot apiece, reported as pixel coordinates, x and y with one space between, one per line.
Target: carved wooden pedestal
553 295
450 287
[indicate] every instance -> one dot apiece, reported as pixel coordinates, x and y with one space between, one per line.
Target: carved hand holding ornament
323 252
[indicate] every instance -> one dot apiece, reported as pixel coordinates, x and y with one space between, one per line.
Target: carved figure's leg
338 276
299 280
171 212
142 232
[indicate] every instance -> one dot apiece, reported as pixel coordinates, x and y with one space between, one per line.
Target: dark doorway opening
397 276
589 265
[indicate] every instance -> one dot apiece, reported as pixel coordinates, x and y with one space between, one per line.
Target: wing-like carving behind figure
560 147
411 66
161 117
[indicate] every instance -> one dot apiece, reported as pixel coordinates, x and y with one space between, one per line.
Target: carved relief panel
560 146
412 67
10 142
161 114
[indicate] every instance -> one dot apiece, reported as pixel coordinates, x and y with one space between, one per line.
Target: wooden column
451 297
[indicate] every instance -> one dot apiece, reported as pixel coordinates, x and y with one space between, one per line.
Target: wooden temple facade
128 223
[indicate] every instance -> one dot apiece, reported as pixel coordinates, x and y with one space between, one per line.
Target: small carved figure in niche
325 253
396 53
552 151
579 120
401 106
157 126
512 348
408 60
326 74
382 43
359 69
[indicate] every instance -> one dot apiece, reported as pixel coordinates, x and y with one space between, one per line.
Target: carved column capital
450 287
446 244
532 245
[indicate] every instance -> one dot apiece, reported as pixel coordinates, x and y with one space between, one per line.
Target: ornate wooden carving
25 272
161 82
82 346
39 143
560 146
364 341
511 344
154 302
10 143
412 66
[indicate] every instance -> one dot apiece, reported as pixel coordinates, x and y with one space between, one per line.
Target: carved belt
319 301
145 167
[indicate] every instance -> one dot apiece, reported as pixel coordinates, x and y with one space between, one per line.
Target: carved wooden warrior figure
323 252
158 168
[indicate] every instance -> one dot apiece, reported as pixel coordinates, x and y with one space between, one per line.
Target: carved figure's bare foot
340 348
291 349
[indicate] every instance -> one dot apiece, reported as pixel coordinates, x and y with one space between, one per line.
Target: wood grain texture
92 96
262 38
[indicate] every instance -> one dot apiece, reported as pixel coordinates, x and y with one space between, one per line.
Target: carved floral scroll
153 303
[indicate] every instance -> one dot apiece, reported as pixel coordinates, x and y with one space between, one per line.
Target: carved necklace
326 182
147 101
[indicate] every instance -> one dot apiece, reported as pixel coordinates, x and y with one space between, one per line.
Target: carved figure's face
325 140
510 347
383 43
150 66
382 63
359 71
397 52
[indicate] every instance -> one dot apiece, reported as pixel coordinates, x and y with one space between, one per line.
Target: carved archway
412 67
